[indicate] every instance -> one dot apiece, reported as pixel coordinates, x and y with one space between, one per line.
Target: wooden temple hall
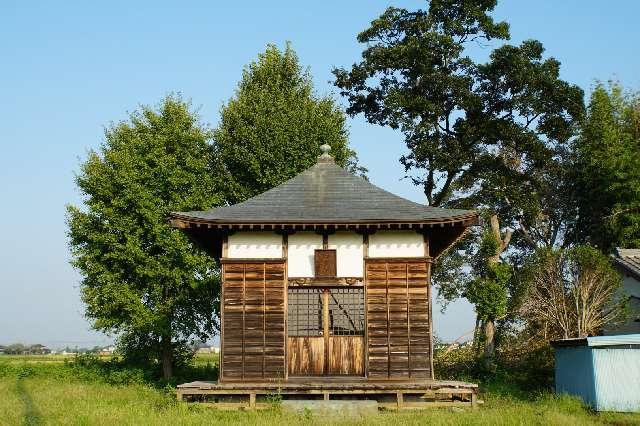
326 292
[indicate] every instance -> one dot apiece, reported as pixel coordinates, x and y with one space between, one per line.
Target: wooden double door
325 335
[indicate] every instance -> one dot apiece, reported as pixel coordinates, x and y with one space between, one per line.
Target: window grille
346 312
345 306
305 312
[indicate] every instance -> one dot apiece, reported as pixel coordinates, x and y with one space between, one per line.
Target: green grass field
53 390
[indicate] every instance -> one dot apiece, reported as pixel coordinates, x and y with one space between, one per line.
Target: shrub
524 363
143 350
527 363
459 363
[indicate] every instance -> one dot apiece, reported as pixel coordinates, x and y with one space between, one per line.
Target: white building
627 261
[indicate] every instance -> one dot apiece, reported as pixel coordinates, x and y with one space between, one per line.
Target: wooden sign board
325 263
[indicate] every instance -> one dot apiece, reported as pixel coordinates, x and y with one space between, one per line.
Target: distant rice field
60 358
56 358
204 358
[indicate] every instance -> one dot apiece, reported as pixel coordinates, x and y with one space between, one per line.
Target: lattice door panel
325 331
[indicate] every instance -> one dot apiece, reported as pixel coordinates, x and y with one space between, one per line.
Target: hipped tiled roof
629 260
326 193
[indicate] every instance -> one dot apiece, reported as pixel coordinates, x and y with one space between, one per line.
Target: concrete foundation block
337 408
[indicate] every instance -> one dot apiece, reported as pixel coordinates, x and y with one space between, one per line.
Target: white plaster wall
396 244
301 252
255 245
349 253
631 326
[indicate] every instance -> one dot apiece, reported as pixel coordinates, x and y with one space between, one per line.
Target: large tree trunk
476 335
489 342
166 354
489 324
503 243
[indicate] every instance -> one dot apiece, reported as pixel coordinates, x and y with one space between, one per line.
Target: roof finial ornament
325 148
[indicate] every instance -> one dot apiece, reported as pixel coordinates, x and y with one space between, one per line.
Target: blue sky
67 69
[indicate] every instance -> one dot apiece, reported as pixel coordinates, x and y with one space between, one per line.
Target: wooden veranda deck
388 394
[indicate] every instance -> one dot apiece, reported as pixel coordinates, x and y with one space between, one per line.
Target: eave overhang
187 222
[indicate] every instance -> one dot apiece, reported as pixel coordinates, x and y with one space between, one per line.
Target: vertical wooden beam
225 246
386 281
222 308
244 309
408 319
285 256
325 328
365 254
264 313
427 254
427 250
325 395
285 245
252 400
430 320
399 399
365 244
224 251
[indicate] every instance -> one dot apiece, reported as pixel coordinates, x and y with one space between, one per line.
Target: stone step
336 408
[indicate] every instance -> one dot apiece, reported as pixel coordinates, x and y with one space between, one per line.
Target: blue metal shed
604 371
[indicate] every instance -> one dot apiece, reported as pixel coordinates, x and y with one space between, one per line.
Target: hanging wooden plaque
325 263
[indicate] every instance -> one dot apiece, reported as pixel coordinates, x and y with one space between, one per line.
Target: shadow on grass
32 415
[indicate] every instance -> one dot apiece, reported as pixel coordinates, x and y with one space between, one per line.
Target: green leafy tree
606 171
468 126
478 134
142 279
273 127
487 135
15 349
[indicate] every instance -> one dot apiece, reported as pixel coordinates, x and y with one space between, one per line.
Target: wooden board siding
398 321
253 321
346 356
306 356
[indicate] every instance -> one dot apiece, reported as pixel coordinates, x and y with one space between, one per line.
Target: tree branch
442 195
527 235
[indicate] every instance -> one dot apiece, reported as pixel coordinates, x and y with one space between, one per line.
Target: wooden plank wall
253 321
346 356
398 319
305 356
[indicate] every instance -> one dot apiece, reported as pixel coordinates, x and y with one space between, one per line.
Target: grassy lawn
67 393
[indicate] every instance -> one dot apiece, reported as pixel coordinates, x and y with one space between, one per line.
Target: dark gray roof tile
629 260
326 193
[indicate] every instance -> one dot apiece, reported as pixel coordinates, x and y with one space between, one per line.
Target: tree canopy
485 134
606 171
273 127
478 134
142 279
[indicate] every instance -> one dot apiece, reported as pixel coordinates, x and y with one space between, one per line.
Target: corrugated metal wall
606 378
617 377
574 373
